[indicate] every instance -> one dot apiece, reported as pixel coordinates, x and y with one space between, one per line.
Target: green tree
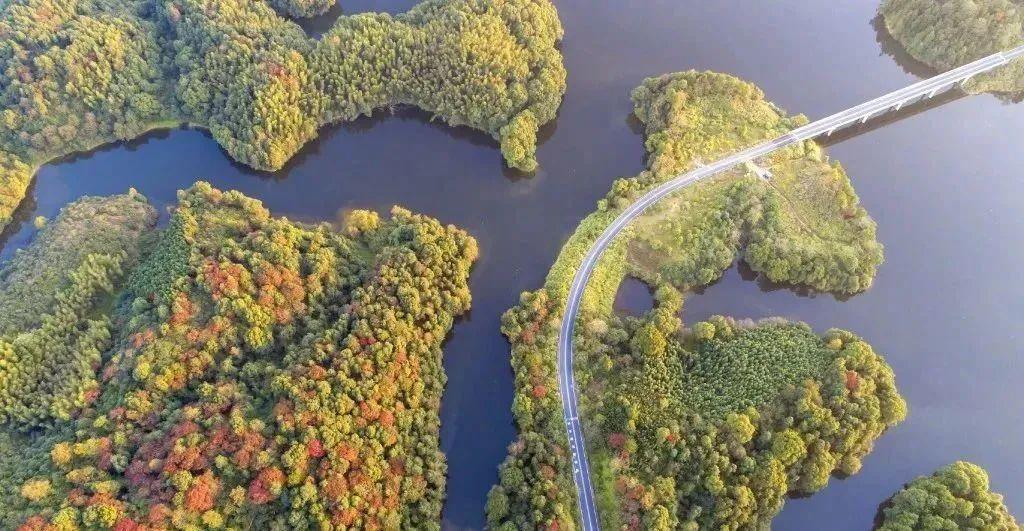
956 496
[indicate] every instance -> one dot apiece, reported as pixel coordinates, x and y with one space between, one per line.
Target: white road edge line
567 381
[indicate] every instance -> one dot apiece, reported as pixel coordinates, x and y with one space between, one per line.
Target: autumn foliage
75 74
263 373
708 427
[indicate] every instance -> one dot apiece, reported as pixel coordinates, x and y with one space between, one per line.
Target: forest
712 426
956 496
947 34
803 226
75 74
54 327
232 370
741 446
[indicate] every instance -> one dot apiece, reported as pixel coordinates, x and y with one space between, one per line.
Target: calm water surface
944 186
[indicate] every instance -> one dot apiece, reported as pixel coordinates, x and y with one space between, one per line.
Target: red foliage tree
201 496
127 524
268 482
852 380
315 448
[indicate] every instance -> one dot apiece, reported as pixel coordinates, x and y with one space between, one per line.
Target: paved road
589 520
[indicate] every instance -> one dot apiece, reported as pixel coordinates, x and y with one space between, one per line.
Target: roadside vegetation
77 74
709 426
802 226
945 35
956 496
233 370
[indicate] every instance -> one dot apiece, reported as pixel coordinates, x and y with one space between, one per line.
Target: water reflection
743 293
316 26
15 234
891 47
633 298
894 49
942 185
891 117
747 274
366 124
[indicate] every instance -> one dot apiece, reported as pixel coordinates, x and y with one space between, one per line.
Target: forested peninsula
232 370
956 496
950 33
75 74
708 426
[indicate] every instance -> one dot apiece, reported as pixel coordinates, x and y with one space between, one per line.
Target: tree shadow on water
19 218
911 65
891 47
764 285
365 124
315 27
132 144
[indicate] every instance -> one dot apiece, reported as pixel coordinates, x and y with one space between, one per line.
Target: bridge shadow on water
891 117
911 65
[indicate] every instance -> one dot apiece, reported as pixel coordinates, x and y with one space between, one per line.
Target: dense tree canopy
712 428
729 417
74 74
303 8
956 496
804 226
945 34
488 64
51 341
257 373
78 73
535 490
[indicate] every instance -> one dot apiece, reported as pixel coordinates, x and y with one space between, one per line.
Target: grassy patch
804 225
725 375
645 388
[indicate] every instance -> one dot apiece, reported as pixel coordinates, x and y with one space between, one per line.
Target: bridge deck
566 380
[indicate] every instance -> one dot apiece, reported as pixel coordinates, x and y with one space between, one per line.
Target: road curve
589 520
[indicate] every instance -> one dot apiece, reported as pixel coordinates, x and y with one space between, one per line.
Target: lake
941 181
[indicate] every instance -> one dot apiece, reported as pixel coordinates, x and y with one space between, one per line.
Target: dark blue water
943 184
634 298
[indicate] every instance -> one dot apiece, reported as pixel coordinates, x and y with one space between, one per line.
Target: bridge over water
860 114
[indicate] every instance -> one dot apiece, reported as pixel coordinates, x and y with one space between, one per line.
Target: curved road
859 114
